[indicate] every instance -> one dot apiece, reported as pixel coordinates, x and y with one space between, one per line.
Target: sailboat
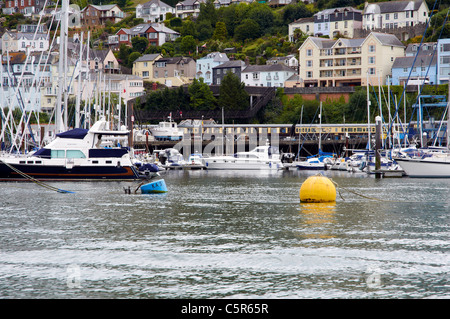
319 161
86 154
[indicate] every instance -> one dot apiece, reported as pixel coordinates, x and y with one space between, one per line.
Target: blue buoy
155 187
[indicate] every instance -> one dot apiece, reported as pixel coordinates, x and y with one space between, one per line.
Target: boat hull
425 168
57 172
241 165
155 187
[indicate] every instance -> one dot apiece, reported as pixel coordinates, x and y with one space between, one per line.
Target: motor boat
260 158
77 154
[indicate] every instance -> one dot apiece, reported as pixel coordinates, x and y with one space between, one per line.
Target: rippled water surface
226 235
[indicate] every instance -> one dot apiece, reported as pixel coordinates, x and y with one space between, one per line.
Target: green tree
208 12
139 44
232 93
201 96
133 57
220 32
248 29
204 30
188 44
263 15
188 28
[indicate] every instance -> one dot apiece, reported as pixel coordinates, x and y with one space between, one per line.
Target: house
125 35
337 21
289 60
235 67
426 48
96 16
266 75
156 33
410 68
306 25
174 71
207 63
153 11
443 54
394 14
348 62
188 8
143 66
26 7
22 78
14 41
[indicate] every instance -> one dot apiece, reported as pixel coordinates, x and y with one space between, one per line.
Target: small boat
167 131
155 187
260 158
195 161
313 163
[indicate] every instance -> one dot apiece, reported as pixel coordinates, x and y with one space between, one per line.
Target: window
309 63
75 154
255 76
145 74
371 48
371 60
309 52
156 74
407 14
372 71
58 154
309 74
395 16
387 16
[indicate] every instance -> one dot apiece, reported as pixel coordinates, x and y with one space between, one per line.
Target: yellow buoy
317 189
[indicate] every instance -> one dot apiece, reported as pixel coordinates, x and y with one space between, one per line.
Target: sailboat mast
368 113
320 128
60 124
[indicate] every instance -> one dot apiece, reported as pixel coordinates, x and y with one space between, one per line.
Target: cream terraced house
394 14
143 66
348 62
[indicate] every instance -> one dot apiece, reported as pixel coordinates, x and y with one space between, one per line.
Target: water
226 235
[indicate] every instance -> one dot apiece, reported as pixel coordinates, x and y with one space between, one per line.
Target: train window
350 129
313 130
359 129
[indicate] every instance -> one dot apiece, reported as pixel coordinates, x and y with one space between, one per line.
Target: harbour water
226 234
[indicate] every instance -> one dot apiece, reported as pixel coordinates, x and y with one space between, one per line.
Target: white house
205 65
266 75
394 14
153 11
13 41
188 8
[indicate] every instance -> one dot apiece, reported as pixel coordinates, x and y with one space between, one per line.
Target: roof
421 61
231 64
216 56
322 43
393 6
176 60
159 27
303 20
351 43
425 48
337 10
105 7
147 57
387 39
268 68
159 3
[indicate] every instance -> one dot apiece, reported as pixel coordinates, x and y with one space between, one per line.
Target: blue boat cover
78 133
107 152
44 153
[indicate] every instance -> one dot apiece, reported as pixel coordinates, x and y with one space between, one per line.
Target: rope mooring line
353 192
34 180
